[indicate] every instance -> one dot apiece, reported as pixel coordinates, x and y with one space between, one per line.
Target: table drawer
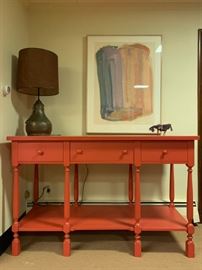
164 152
41 152
101 152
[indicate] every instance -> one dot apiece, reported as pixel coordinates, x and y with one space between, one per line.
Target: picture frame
123 84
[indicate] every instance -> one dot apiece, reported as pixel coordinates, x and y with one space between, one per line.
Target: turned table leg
130 184
137 227
190 249
15 227
172 186
36 183
66 227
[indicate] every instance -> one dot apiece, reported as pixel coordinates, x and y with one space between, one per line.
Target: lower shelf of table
102 217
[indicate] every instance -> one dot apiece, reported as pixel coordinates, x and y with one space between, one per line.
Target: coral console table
131 150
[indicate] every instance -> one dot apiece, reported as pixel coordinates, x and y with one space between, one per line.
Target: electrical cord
46 188
84 183
43 191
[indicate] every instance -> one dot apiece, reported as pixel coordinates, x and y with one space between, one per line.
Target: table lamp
37 75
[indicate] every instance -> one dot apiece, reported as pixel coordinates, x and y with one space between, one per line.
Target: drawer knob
79 151
165 152
40 152
124 152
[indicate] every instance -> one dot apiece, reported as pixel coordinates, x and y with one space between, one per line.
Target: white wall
64 28
13 36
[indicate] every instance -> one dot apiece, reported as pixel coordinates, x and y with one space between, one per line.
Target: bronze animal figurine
161 128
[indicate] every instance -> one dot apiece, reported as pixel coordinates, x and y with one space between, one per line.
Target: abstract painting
123 83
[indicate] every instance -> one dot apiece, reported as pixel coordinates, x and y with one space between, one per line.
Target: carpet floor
105 251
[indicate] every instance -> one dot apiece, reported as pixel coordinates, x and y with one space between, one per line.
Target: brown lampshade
37 72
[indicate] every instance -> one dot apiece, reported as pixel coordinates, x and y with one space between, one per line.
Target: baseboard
6 238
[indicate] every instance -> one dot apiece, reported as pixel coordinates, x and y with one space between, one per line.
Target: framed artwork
123 83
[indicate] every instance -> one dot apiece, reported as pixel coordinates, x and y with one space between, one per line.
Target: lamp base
38 124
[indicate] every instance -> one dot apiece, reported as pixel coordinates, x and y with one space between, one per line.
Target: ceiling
108 1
